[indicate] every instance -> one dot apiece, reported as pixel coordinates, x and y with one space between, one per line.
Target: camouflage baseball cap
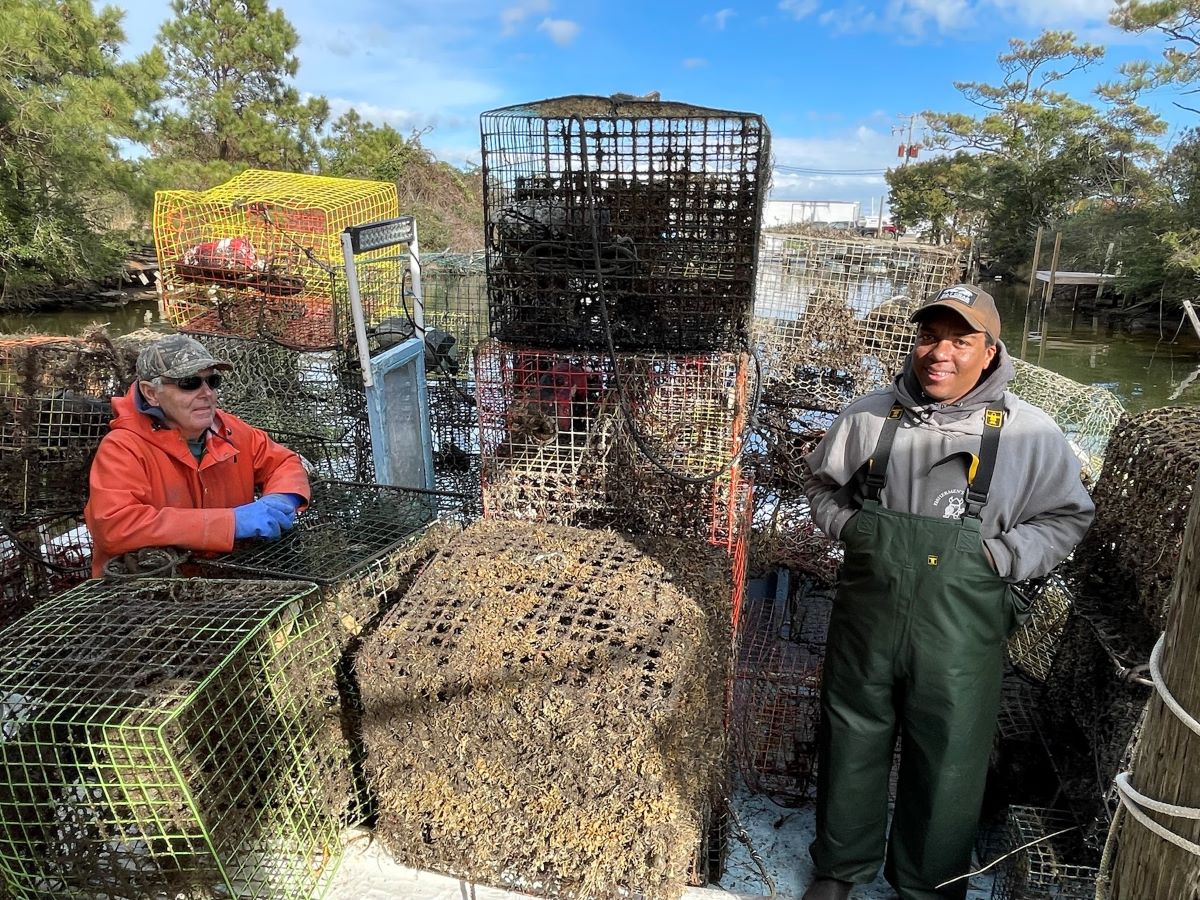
176 356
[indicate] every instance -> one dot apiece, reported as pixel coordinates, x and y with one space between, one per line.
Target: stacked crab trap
54 408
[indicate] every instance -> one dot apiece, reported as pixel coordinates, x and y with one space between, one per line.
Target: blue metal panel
398 410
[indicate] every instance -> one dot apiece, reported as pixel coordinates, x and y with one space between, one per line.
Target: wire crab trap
1056 867
1032 646
41 558
1087 414
579 677
346 526
1132 550
454 426
831 317
777 691
562 442
260 257
314 397
170 738
650 208
55 406
1094 699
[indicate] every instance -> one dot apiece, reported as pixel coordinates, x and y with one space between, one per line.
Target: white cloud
719 19
695 62
561 31
799 9
511 17
861 148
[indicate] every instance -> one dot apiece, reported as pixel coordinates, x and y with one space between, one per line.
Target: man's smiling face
950 355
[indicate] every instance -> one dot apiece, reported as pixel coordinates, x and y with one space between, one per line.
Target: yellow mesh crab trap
260 256
168 739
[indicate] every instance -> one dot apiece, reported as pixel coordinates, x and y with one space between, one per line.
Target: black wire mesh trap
40 558
315 396
667 195
777 692
454 428
1053 868
566 686
346 526
170 738
1032 646
55 395
1130 554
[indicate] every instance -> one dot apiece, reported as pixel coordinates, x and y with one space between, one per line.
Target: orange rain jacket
147 490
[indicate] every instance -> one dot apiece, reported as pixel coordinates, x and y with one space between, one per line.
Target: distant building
800 212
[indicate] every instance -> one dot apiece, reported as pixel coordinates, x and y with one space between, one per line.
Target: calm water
1145 370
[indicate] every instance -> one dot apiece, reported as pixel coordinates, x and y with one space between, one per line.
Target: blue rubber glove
287 503
260 520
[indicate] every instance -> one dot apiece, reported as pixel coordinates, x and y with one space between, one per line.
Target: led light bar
377 235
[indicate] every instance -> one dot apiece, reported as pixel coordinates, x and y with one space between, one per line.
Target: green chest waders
915 648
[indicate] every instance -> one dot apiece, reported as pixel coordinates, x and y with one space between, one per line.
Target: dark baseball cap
973 304
176 356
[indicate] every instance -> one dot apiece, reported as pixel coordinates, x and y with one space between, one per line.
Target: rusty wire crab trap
831 316
529 648
41 558
563 443
55 395
260 257
170 738
312 401
1049 866
650 207
776 691
346 526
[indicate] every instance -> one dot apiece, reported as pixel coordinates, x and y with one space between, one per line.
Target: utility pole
911 119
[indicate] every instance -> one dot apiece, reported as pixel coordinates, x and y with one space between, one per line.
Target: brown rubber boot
828 889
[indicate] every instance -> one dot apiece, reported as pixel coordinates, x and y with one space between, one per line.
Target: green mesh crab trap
170 739
650 207
346 526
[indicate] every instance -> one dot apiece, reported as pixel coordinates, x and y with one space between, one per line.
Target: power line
804 170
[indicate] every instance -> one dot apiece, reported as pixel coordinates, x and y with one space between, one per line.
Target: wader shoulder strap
980 481
878 463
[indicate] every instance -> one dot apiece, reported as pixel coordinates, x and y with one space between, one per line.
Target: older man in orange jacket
176 471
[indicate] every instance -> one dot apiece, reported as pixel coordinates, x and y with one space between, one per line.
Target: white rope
1134 801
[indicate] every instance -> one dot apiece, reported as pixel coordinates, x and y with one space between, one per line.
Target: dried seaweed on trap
1130 554
1086 414
171 738
565 687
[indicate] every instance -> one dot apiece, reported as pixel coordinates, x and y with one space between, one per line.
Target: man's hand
262 519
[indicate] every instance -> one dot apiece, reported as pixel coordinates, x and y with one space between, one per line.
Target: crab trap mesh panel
41 558
55 395
170 738
1086 414
1051 868
260 256
651 208
831 316
562 439
1132 550
565 687
1032 646
313 402
776 692
346 526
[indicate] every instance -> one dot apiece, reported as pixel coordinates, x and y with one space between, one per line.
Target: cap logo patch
967 297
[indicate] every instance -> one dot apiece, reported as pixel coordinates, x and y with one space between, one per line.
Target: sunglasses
193 382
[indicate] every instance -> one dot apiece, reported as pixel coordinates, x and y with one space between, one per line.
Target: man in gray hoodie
946 489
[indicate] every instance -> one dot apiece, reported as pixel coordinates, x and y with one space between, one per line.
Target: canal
1155 363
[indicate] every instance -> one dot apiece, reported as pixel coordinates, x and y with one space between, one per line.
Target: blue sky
833 78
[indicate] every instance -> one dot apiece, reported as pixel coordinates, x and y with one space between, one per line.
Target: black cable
638 438
25 550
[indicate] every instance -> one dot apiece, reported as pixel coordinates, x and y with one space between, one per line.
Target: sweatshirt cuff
1001 556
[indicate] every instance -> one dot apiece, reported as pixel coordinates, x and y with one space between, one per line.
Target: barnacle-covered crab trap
171 738
650 209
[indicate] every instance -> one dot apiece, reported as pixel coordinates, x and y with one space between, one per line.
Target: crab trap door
398 410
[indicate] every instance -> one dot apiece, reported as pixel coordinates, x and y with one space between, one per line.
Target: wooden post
1191 313
1145 866
1037 258
1107 259
1048 295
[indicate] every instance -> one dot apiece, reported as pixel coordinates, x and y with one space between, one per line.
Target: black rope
638 438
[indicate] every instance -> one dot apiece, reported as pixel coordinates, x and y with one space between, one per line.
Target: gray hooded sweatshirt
1037 509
